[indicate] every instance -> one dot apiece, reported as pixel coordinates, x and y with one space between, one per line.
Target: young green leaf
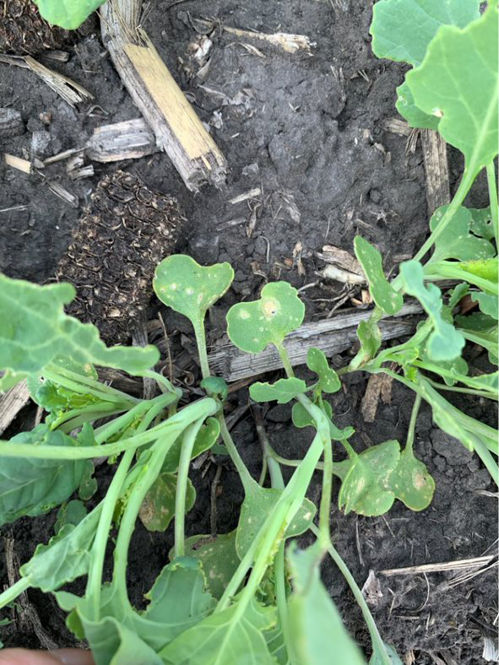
365 488
458 82
32 486
397 38
35 331
68 14
456 241
369 336
215 386
329 381
481 273
302 418
411 483
384 295
225 638
189 288
254 325
316 631
218 558
158 508
445 342
283 390
257 506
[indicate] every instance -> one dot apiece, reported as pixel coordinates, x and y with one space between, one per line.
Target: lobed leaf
316 631
481 222
407 108
445 342
397 38
66 556
189 288
384 295
252 326
34 486
35 331
317 362
411 482
283 390
225 638
458 82
68 14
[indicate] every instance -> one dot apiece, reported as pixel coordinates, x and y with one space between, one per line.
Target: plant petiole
494 210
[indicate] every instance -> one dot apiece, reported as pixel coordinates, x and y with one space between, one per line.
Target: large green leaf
458 82
445 342
252 326
68 14
407 108
384 295
66 557
114 644
317 634
33 486
225 638
402 29
35 331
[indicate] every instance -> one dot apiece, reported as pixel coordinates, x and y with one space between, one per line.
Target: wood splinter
178 130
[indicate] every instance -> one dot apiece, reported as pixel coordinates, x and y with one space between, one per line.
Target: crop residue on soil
307 134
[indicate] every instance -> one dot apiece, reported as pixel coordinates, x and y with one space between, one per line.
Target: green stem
176 424
488 461
10 594
412 423
94 581
494 211
236 458
77 417
200 334
86 385
188 440
377 642
162 382
465 391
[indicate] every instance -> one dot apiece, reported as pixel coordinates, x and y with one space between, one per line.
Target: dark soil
310 132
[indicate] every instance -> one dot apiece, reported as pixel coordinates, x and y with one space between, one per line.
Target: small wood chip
18 163
11 403
130 139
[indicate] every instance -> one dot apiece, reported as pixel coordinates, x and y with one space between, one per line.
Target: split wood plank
11 403
436 169
130 139
178 130
330 335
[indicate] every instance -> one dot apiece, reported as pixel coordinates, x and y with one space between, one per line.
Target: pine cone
23 31
120 239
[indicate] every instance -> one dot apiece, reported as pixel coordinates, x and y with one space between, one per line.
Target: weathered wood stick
11 403
178 130
121 140
330 335
436 169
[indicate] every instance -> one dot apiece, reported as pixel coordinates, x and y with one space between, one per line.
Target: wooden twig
436 169
11 403
331 336
178 130
460 564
